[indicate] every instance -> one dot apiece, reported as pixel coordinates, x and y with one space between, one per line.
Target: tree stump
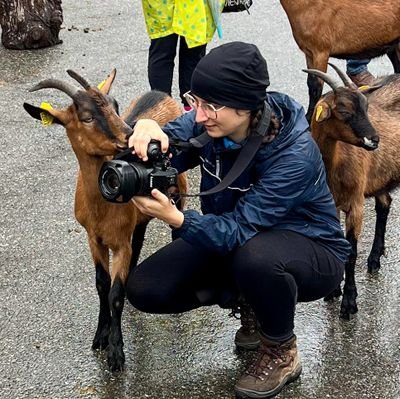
30 24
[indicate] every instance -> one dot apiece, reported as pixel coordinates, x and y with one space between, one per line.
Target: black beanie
234 74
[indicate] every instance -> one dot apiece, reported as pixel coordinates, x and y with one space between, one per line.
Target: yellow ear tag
362 88
318 112
46 118
101 84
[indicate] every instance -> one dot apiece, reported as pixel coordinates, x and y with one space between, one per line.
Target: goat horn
82 81
324 76
347 82
55 84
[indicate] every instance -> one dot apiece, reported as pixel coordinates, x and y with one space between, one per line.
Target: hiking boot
248 336
276 365
364 78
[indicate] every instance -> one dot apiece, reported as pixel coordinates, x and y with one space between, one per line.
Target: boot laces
235 312
268 359
245 314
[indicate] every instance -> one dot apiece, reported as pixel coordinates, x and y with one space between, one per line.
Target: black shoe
248 336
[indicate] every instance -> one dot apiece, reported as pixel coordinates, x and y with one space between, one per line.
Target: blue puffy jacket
284 186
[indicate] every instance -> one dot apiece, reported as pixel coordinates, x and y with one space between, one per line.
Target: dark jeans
162 61
354 67
273 271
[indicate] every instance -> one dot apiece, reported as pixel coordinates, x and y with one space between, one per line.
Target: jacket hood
291 115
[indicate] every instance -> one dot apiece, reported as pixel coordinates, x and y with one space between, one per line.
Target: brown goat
97 133
343 29
344 116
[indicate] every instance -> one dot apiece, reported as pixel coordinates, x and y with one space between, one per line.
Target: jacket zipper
218 166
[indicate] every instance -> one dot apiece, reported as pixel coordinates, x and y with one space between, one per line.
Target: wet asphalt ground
48 299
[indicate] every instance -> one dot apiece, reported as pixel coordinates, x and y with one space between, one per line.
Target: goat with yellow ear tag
358 133
97 133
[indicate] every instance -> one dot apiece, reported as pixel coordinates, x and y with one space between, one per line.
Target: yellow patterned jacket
189 18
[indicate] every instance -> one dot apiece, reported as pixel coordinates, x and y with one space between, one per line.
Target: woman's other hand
160 207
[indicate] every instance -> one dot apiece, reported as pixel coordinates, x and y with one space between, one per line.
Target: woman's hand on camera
160 207
144 131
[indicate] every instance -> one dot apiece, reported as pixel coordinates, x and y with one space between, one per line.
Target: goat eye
87 119
346 114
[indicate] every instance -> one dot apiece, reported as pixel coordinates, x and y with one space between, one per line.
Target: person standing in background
168 22
358 72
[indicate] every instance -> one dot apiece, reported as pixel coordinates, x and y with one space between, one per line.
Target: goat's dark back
384 113
154 104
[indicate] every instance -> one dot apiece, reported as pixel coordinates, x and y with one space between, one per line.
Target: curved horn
55 84
82 81
347 82
324 76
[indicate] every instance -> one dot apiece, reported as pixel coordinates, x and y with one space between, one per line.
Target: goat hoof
334 294
100 343
100 340
348 308
373 266
344 315
116 359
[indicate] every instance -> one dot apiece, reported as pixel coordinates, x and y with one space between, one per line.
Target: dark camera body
121 179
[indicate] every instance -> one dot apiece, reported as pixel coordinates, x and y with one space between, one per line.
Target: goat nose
371 143
375 139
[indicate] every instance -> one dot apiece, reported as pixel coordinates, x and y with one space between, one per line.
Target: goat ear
369 89
322 111
105 85
47 116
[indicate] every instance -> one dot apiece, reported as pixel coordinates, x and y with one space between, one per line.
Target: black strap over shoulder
246 153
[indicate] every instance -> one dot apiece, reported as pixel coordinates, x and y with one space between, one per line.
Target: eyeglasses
209 109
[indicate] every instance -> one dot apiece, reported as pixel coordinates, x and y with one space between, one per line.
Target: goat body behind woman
343 29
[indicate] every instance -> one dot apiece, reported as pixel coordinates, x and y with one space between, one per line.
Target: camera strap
245 156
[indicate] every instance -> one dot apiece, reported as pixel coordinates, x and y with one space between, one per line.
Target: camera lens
119 180
111 181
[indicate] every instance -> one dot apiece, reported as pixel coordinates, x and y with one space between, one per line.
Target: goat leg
103 283
382 207
337 292
314 92
315 85
116 357
137 242
100 254
349 304
120 267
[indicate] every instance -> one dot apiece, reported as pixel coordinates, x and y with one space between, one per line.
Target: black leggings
272 271
162 61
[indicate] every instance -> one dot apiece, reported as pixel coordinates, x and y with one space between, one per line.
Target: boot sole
244 393
243 341
248 346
